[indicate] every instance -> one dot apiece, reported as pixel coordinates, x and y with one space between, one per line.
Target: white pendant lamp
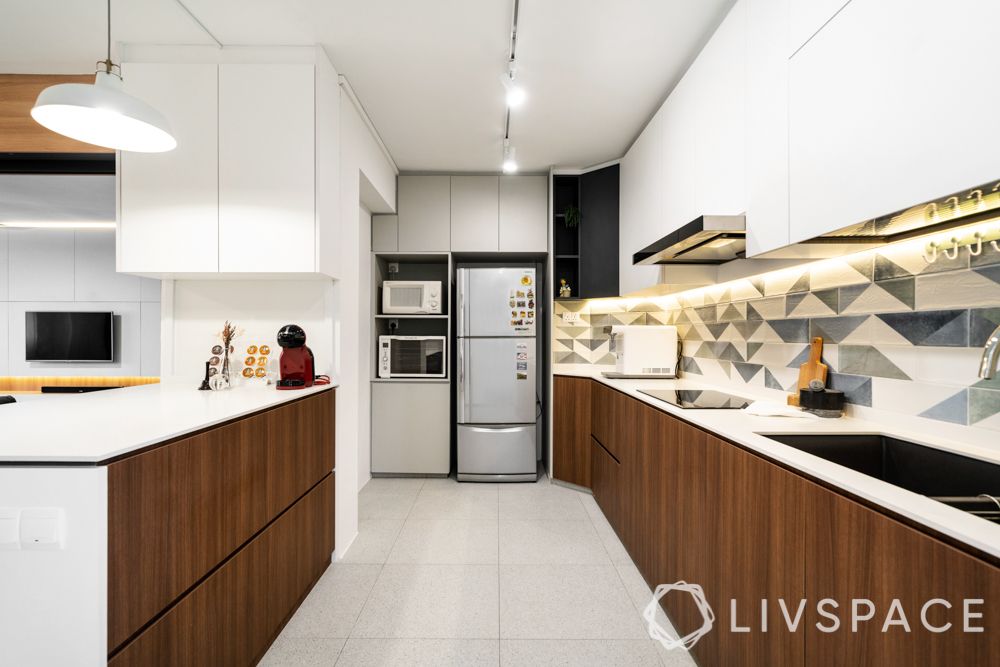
102 113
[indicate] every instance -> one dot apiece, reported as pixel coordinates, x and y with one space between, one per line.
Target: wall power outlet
571 317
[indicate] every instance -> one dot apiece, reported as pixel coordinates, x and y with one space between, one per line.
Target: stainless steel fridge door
488 453
496 381
496 302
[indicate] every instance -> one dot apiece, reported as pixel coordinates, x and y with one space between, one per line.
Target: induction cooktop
698 399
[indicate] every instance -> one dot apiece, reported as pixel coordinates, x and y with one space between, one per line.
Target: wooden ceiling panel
19 133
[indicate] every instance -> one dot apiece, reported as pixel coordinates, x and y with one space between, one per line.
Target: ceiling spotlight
509 162
515 93
102 113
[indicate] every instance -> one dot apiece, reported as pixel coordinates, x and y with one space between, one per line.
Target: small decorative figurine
565 291
205 386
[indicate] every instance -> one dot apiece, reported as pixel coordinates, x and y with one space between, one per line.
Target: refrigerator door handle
502 429
463 288
465 372
461 380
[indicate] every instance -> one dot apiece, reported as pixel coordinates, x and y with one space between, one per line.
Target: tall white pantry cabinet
252 186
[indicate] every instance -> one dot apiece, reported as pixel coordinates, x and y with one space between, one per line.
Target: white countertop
745 429
93 427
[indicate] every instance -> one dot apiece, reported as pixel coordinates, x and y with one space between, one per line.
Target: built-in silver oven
411 356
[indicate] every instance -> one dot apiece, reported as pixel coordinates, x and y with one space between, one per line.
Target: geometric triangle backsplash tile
900 333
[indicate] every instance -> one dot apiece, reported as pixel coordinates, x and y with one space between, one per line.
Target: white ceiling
427 71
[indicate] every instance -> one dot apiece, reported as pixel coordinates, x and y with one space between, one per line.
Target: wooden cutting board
813 369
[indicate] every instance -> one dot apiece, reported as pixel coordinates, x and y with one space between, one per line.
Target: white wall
259 307
55 602
367 184
365 350
63 269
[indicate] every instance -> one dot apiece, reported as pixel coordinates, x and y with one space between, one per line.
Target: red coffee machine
297 362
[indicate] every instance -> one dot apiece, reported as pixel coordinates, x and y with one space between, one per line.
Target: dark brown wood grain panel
613 419
755 525
854 552
571 429
606 480
232 617
175 512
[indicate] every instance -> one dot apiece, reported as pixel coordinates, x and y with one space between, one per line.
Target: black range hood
722 238
708 239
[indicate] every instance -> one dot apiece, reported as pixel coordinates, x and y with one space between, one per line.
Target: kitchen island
160 524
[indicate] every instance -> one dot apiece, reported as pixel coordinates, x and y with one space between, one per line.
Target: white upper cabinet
804 19
885 113
424 213
767 125
252 186
524 213
475 213
468 214
267 200
168 215
716 149
640 206
690 159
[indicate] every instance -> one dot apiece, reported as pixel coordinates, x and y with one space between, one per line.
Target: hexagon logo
660 634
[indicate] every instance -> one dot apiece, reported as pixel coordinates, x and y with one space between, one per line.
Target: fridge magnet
522 376
522 365
522 356
256 362
526 279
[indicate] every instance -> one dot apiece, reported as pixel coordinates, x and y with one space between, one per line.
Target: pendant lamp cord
108 66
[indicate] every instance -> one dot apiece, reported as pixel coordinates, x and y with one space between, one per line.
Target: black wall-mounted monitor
69 336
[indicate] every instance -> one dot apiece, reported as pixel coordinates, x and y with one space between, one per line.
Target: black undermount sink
960 481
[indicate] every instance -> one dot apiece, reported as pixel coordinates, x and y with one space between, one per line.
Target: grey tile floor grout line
381 567
542 582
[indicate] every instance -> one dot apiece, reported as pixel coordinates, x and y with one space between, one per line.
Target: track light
515 93
509 165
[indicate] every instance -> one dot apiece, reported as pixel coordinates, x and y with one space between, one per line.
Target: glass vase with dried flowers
226 336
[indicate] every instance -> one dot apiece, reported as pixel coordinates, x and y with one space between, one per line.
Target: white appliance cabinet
466 213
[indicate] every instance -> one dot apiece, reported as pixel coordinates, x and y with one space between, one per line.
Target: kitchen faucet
991 356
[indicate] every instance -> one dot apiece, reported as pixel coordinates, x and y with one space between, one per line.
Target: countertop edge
108 456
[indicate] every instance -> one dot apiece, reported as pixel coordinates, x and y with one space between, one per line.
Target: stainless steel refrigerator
498 409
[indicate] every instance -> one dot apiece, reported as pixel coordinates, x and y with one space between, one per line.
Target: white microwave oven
411 356
402 297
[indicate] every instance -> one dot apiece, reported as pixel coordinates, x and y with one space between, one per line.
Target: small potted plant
571 216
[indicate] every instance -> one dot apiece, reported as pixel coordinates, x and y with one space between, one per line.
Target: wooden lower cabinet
606 483
571 429
613 419
853 552
754 523
709 513
176 511
231 618
690 506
